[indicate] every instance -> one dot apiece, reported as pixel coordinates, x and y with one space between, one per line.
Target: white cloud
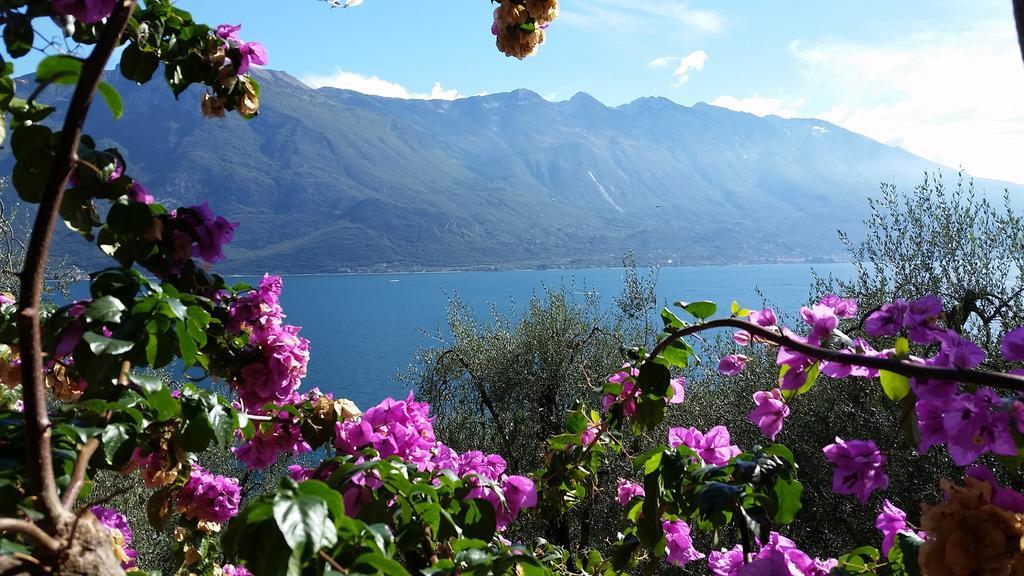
692 62
761 106
636 14
953 97
663 62
377 86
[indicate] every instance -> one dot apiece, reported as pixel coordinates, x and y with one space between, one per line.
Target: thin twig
78 473
909 369
327 557
31 530
37 420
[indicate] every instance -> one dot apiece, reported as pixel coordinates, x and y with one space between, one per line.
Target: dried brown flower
968 535
212 106
543 11
519 43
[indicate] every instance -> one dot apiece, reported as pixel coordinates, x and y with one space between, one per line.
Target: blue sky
942 78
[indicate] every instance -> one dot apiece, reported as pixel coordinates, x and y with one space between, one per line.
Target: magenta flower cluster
917 317
858 468
195 230
281 355
627 490
712 448
232 570
208 497
264 448
251 52
778 557
770 412
892 521
113 520
404 429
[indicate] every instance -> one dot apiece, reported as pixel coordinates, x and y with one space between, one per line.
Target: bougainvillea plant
384 496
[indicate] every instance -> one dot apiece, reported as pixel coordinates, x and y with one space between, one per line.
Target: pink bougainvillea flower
117 524
822 320
1012 346
764 318
627 490
859 468
977 425
843 307
920 319
228 32
1002 496
252 53
732 364
741 337
680 544
712 448
887 320
770 411
88 11
956 351
209 497
891 521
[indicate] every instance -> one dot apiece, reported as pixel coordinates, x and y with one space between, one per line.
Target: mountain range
330 180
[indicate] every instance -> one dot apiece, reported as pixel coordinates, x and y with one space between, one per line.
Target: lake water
364 329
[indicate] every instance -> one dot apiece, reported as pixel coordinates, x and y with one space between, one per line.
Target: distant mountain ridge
330 180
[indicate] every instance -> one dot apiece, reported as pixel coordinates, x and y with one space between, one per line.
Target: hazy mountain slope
331 180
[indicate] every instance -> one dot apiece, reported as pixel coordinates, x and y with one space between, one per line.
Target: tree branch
37 420
909 369
78 474
31 530
1018 17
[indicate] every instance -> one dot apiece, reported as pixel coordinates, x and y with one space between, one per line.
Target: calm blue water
363 329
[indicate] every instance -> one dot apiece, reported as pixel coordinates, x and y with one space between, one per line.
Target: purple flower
403 428
956 351
117 524
138 193
887 320
264 447
859 468
228 32
277 373
712 448
770 411
726 562
891 521
978 425
88 11
920 319
822 320
741 337
626 377
843 307
678 386
258 310
627 490
764 318
680 545
208 497
1013 345
732 364
931 423
232 570
252 53
520 493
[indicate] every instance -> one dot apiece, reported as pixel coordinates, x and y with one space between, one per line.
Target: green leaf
186 344
101 345
138 65
677 354
787 494
59 69
112 98
654 379
809 380
304 523
147 382
896 386
158 509
902 347
903 555
18 34
701 310
672 322
104 309
165 405
382 564
222 421
332 499
113 437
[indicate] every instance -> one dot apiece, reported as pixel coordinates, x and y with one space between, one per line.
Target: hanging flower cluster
519 25
280 354
207 497
232 57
